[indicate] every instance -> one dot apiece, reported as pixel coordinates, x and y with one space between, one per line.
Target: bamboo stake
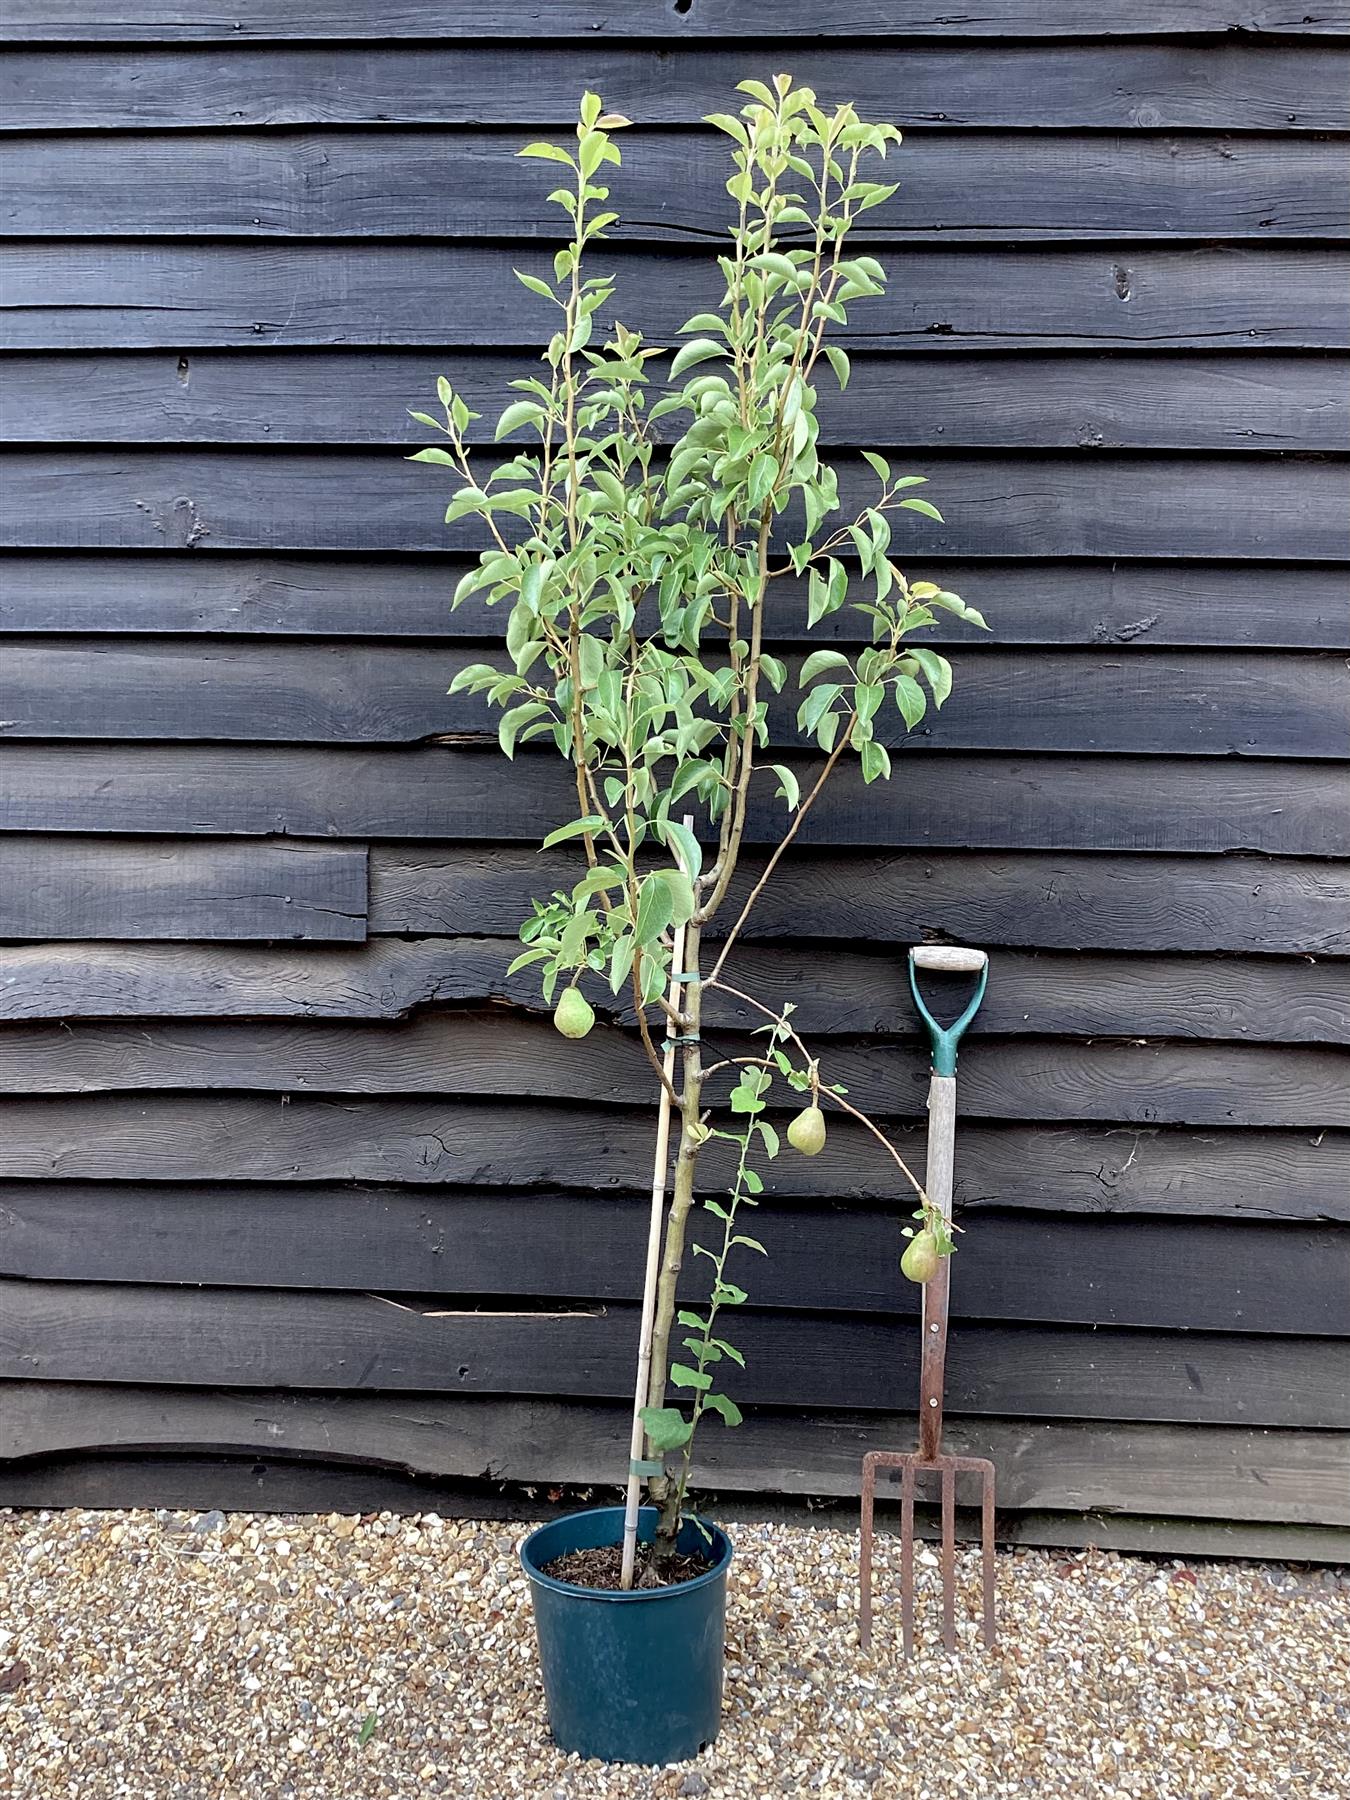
637 1441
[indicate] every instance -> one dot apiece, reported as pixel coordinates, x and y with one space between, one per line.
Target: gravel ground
161 1656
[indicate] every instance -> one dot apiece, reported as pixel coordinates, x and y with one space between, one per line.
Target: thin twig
783 843
838 1099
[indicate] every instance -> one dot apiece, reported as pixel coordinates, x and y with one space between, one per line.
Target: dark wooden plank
156 20
1221 86
1056 505
1134 1083
1163 1537
1179 1274
118 888
837 993
956 802
1047 187
1280 1476
1289 606
1250 402
1250 905
177 295
1137 700
261 1483
67 1331
1137 1083
1126 1168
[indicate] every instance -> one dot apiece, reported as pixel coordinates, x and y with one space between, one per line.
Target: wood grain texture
1222 604
55 888
248 243
1177 1274
1116 1083
837 993
1222 86
264 1484
67 1331
155 20
984 187
955 802
1258 401
1135 699
1136 1169
1251 905
1066 505
1293 1476
178 295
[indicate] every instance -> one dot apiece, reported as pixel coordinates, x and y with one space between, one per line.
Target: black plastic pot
630 1677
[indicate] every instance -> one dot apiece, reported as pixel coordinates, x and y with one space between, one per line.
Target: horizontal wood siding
300 1202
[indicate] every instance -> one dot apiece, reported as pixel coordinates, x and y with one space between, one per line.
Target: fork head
911 1466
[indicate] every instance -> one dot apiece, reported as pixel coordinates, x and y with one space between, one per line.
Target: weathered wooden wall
301 1200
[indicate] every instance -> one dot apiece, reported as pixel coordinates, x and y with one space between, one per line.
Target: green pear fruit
573 1015
807 1131
920 1261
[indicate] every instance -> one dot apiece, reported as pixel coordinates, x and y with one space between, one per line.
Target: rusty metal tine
869 1489
987 1554
948 1555
907 1557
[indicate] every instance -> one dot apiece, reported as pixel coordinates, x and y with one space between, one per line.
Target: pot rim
619 1595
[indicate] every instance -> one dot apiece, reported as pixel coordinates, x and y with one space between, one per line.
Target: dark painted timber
66 1331
292 1218
1179 1274
1048 1083
1289 606
180 294
1294 1173
270 1484
1030 186
1138 1083
1136 401
58 887
1220 86
1125 700
78 20
945 801
1255 906
837 993
994 505
1288 1475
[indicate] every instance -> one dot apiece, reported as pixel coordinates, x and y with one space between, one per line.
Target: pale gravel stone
166 1656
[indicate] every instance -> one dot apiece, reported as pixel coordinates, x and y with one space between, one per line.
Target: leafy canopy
636 565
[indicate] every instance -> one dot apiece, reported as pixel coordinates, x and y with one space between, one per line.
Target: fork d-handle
938 1179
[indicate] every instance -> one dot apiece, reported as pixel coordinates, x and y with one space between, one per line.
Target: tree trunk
663 1489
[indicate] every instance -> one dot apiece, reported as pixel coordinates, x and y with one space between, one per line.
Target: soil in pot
602 1568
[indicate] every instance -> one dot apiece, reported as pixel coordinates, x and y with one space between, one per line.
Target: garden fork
929 1459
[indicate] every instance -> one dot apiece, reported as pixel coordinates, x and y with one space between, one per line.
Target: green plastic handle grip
945 1038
